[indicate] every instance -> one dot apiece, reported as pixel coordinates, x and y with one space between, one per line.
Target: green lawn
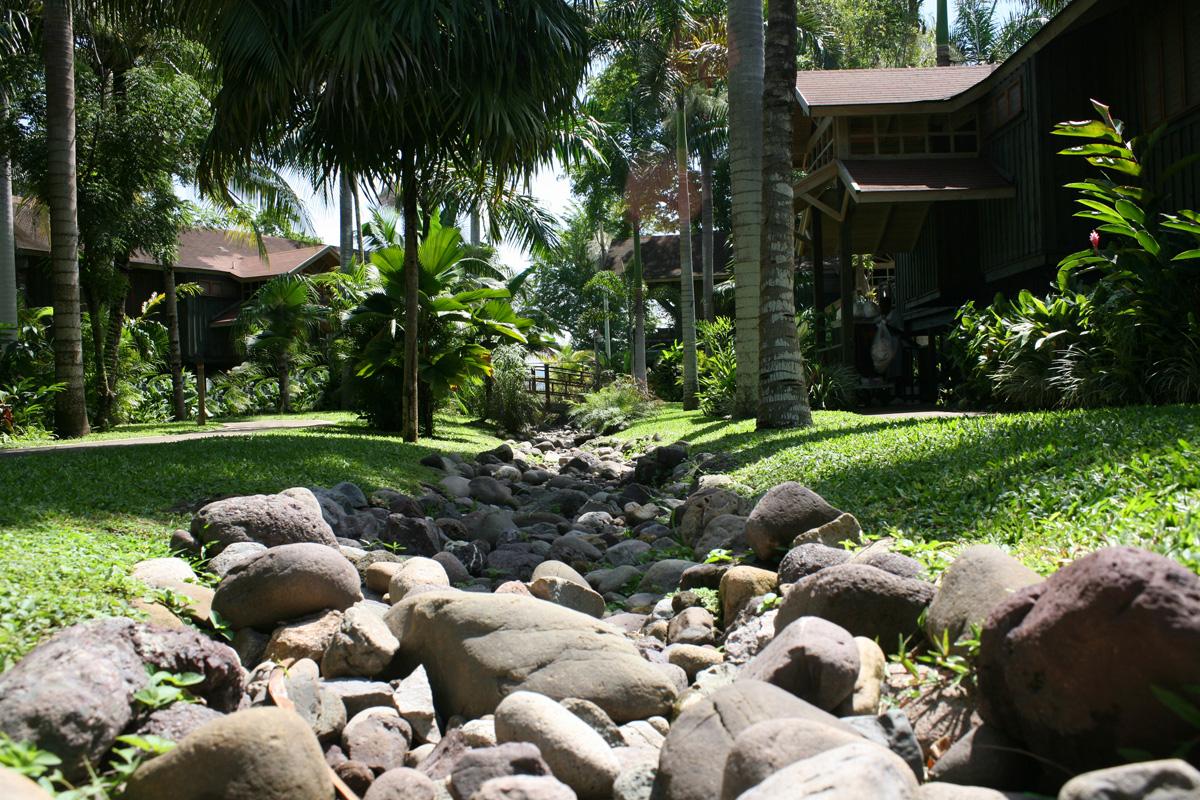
71 523
1047 485
174 428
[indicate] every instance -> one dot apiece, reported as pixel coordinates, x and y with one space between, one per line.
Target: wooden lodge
952 174
227 266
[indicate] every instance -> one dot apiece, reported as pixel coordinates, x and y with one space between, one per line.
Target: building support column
818 261
846 269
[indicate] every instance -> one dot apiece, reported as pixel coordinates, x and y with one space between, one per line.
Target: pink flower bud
1095 240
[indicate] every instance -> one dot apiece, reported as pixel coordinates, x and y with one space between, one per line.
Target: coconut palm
395 93
745 32
14 36
58 53
783 396
277 323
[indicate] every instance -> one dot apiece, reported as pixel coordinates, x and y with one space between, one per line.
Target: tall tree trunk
706 228
58 53
358 225
412 311
284 368
783 397
179 408
8 246
687 281
426 403
476 225
346 221
100 376
639 307
745 162
112 350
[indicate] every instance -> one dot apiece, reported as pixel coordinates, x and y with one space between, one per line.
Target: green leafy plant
27 759
770 601
720 556
165 688
510 403
612 407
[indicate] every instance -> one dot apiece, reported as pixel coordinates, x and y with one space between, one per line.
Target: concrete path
215 431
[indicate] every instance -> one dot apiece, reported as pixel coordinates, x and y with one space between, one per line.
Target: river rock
663 576
764 748
402 783
1104 632
287 582
289 517
813 659
414 572
524 787
849 772
577 754
304 638
805 559
740 584
783 512
704 506
476 767
479 648
864 600
73 694
362 645
978 580
15 786
256 754
568 593
1170 779
378 737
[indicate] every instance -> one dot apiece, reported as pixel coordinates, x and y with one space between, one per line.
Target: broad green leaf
1112 150
1131 212
1187 255
1091 129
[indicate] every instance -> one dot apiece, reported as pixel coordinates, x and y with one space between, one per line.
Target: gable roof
200 250
660 257
830 90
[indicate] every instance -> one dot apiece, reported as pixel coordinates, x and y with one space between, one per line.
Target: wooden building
227 266
952 172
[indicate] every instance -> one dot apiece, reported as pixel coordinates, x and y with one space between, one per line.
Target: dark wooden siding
944 266
1011 230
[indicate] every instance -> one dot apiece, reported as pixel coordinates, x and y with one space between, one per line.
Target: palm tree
783 396
346 199
14 34
58 53
745 167
393 93
277 323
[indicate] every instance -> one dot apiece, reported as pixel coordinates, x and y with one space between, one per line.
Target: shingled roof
660 257
829 90
201 250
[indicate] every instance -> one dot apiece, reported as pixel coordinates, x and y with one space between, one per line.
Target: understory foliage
831 387
613 407
509 401
1121 326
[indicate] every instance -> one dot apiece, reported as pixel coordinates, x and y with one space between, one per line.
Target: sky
550 186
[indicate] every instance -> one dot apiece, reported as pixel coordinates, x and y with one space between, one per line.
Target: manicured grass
1049 485
174 428
72 523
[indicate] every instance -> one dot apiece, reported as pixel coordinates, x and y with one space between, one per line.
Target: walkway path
216 431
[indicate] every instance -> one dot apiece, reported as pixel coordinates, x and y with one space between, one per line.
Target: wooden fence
559 386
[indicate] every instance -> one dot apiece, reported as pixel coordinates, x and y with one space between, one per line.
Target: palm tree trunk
8 246
639 307
358 225
706 228
745 162
409 408
178 406
346 221
58 52
96 322
283 367
112 351
783 397
687 283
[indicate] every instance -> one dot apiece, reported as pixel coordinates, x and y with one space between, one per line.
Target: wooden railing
559 385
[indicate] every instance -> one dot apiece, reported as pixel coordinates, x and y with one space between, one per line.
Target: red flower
1095 239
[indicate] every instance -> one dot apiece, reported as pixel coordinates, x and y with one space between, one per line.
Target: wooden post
201 411
846 267
546 376
818 260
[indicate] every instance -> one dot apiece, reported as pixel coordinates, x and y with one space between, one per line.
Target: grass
172 428
72 523
1048 486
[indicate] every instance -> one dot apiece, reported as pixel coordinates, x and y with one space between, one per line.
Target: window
914 135
1006 104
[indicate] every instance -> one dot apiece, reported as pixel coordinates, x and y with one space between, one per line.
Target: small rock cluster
542 624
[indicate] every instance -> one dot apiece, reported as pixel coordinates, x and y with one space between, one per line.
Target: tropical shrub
510 402
1121 326
612 407
717 366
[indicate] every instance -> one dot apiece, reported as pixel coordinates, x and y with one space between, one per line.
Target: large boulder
289 517
784 512
813 659
286 582
577 754
692 764
73 694
804 560
1070 667
976 582
864 600
849 772
256 754
478 648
